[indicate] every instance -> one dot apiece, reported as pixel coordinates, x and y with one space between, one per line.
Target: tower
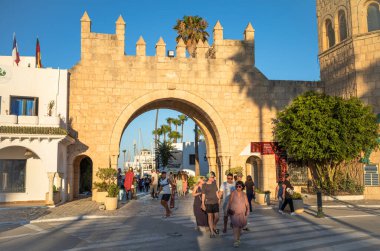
349 48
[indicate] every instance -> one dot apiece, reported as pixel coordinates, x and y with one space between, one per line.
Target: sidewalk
77 209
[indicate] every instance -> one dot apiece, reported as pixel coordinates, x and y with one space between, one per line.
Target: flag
15 54
38 55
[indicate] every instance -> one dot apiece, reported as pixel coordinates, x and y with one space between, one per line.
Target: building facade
33 132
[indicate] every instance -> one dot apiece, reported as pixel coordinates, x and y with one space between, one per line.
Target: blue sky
285 36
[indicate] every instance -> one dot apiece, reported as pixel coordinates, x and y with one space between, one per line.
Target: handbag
230 211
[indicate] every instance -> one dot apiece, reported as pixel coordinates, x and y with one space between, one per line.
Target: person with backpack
279 192
287 193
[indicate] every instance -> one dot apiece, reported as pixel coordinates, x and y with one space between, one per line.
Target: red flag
15 54
38 55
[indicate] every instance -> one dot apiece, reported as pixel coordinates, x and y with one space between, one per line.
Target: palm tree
191 29
197 169
174 135
177 123
155 128
158 132
164 152
182 118
169 121
165 130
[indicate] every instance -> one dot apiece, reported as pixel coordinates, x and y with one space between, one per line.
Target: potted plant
107 176
297 203
111 199
56 195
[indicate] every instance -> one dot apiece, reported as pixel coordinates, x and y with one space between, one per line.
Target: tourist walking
120 184
173 187
179 184
184 183
154 184
147 184
128 181
200 215
279 193
166 193
225 190
250 190
238 209
210 203
287 193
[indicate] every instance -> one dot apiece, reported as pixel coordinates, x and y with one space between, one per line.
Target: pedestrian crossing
292 233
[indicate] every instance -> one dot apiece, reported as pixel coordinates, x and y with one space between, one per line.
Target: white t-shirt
164 183
154 178
227 189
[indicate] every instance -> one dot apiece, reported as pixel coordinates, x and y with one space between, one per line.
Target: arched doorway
254 168
197 109
83 175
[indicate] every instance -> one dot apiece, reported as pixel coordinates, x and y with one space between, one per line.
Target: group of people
235 202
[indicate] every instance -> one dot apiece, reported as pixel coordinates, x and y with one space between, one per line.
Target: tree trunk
155 139
182 131
197 169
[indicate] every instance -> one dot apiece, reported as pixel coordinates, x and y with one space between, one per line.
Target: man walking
288 191
210 203
165 184
225 191
154 182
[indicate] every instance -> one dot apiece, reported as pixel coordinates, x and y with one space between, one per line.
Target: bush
107 176
296 196
234 170
113 190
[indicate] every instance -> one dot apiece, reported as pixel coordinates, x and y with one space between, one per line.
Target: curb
76 218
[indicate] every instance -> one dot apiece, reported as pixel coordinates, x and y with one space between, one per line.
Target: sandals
212 236
216 231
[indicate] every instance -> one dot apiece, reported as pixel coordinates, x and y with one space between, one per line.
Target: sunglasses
239 186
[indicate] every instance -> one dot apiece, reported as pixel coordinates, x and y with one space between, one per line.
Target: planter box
111 203
260 198
56 197
298 206
49 121
101 197
8 119
28 120
338 197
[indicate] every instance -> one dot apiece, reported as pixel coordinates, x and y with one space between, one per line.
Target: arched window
330 36
342 25
373 17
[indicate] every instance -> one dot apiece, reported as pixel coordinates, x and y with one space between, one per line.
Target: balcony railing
42 121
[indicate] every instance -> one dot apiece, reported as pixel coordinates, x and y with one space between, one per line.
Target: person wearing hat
210 203
288 191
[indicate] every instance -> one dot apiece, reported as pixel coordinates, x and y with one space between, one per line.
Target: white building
144 162
33 132
185 157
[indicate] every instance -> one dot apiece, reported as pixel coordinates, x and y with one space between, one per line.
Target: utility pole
124 158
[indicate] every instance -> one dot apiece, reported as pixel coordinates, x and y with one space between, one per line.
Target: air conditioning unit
371 175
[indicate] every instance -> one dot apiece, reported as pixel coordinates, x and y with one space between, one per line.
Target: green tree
157 134
183 118
165 130
170 122
174 135
191 29
164 152
326 132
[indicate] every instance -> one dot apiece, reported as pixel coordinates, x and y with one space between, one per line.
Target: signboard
264 148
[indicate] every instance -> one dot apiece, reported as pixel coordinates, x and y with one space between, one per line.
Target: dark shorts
212 208
165 197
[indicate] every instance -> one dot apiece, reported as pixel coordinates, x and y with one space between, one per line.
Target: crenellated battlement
113 45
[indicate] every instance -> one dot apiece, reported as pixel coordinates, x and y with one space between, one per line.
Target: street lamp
124 157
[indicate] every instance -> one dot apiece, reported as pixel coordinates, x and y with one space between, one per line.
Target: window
342 25
12 176
373 17
24 106
330 33
191 159
371 175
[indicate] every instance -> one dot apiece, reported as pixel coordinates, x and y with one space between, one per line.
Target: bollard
319 205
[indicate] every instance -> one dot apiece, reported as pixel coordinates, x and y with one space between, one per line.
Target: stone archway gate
221 89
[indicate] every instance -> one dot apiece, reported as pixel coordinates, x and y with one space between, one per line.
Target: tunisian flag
38 55
15 54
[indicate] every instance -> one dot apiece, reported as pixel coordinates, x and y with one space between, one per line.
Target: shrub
113 190
108 177
296 196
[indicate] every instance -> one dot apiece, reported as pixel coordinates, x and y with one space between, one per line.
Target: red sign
264 148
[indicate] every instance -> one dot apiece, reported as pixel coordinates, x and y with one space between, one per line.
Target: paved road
148 230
